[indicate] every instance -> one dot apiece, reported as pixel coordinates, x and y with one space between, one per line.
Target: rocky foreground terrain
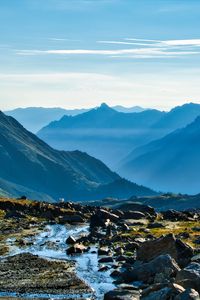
149 255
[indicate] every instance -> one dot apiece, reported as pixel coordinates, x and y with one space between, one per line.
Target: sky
80 53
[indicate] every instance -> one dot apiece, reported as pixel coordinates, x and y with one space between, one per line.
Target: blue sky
79 53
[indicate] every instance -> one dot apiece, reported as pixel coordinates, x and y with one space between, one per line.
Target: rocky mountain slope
30 166
168 164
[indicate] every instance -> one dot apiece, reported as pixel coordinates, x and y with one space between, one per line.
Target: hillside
28 165
169 164
102 132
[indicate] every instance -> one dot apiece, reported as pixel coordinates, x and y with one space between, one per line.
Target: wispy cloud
122 43
141 48
192 42
62 40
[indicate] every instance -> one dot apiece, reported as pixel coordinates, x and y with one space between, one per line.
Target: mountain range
171 163
101 132
29 166
110 135
34 118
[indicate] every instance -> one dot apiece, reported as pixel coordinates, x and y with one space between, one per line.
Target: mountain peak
105 108
104 105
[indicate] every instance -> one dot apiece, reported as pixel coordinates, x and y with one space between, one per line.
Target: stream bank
51 244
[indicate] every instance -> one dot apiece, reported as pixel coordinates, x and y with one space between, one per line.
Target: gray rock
188 294
189 277
103 269
76 249
139 207
122 294
106 259
72 219
70 240
155 225
168 244
136 215
146 272
102 251
160 292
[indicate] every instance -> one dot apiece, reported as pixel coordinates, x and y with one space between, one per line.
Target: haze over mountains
30 166
169 164
101 132
34 118
110 135
153 148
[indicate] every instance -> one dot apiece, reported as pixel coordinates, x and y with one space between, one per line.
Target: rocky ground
150 255
27 273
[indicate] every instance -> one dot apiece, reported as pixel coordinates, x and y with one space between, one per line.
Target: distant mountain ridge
178 117
34 118
30 166
101 132
168 164
123 109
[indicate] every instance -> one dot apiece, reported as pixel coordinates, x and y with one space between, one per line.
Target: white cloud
142 40
137 52
148 49
192 42
122 43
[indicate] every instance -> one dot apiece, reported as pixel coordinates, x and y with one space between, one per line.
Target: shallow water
86 264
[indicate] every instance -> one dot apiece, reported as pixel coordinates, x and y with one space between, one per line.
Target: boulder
146 209
125 227
155 225
103 269
168 292
135 215
146 271
174 215
104 214
131 246
72 219
119 251
14 215
70 240
121 258
101 218
197 241
122 294
106 259
97 221
115 273
189 277
168 244
76 249
188 294
102 251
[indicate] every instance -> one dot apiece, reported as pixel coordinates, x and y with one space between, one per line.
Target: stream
87 265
